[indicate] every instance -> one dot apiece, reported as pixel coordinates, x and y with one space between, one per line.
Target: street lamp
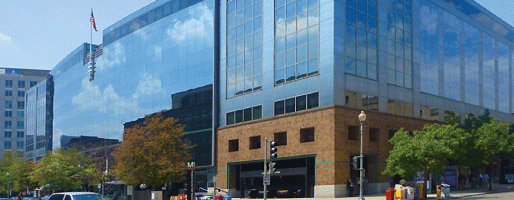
8 189
362 119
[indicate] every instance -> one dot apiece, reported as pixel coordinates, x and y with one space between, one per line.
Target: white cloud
148 85
180 28
5 38
112 56
106 101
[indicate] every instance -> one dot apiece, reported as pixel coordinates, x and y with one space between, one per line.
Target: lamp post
8 189
362 119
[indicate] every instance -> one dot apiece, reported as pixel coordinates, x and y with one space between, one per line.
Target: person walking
349 187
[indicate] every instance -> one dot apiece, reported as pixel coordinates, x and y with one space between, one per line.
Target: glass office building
282 60
271 59
415 58
39 119
14 84
162 49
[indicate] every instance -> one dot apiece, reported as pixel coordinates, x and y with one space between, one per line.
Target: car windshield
87 197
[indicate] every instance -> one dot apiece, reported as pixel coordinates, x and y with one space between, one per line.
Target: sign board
190 165
214 179
99 185
266 180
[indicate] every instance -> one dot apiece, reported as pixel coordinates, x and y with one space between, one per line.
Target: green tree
153 152
425 151
18 170
64 169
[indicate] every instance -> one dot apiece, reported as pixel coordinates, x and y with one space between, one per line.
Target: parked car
30 198
76 196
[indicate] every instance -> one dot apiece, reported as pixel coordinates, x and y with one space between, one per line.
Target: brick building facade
330 136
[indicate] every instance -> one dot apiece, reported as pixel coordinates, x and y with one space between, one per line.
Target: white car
76 196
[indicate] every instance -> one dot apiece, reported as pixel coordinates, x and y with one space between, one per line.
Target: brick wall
331 145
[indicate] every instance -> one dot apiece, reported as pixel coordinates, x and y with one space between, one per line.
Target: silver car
76 196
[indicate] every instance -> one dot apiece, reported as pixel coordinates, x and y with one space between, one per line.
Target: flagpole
91 43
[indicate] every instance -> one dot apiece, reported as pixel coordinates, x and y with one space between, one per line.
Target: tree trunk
425 186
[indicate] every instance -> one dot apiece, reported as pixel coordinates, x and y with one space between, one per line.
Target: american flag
92 19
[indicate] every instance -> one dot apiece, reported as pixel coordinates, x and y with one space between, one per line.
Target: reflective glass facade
361 38
463 61
431 54
39 124
414 58
296 39
170 51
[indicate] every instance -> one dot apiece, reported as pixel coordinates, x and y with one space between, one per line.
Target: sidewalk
497 188
453 194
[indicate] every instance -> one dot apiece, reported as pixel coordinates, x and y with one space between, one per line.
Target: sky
39 34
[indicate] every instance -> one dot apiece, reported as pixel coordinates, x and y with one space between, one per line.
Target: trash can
445 190
399 193
421 190
390 193
438 190
227 198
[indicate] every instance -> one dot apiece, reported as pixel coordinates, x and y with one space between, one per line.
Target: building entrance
292 178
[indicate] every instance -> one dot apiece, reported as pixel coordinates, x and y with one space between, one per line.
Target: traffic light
355 163
272 167
272 149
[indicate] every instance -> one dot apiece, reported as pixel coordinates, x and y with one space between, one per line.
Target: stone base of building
330 191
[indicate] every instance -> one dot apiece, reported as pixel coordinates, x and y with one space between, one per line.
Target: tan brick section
331 145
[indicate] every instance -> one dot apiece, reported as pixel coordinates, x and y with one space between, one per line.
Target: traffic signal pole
265 167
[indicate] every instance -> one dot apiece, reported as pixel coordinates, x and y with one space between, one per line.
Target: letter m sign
190 165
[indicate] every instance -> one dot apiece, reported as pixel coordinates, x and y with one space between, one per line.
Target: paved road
501 195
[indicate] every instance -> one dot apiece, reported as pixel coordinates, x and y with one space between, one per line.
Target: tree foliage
426 150
493 138
18 170
152 152
65 170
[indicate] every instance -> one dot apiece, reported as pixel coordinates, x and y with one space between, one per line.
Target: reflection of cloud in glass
177 30
57 134
429 20
112 56
142 34
157 52
5 38
148 85
106 101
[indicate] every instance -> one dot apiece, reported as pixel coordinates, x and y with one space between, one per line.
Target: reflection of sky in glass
136 75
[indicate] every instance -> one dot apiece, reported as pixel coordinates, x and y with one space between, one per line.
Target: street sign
99 185
266 180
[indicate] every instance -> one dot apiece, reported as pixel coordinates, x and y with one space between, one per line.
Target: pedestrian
433 185
349 187
486 179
